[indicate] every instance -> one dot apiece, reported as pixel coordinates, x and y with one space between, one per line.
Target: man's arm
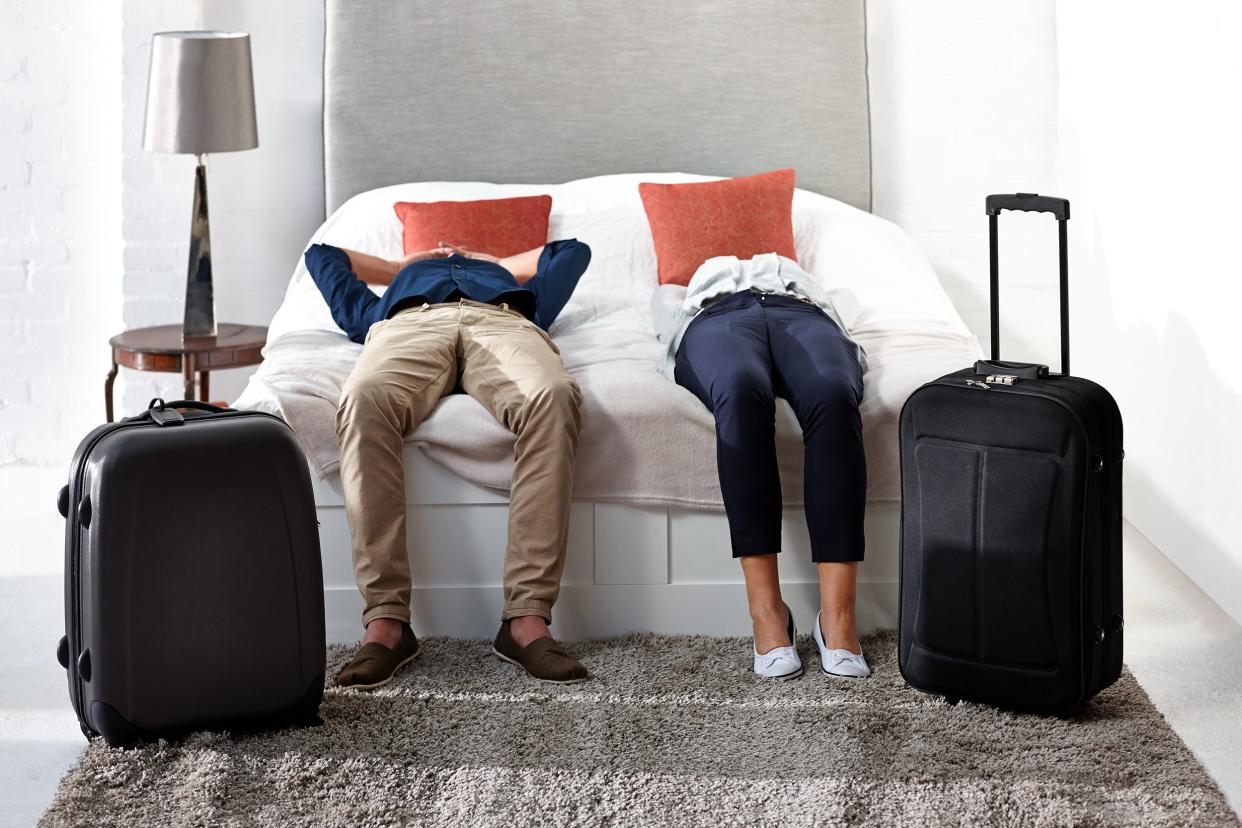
349 299
376 271
523 266
371 269
342 277
559 266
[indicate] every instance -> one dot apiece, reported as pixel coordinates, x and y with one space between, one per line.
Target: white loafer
780 662
841 663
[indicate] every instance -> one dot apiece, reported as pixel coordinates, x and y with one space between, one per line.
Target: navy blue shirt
356 308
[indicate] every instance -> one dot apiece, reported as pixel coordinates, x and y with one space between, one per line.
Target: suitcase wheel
84 665
62 501
112 726
62 651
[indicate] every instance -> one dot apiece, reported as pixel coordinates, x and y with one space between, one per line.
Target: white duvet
644 439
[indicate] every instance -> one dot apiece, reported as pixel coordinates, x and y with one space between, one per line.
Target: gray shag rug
672 730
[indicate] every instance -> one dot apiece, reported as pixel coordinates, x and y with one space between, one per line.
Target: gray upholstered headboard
545 91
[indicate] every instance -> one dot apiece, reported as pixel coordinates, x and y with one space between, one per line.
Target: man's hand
441 252
376 271
469 254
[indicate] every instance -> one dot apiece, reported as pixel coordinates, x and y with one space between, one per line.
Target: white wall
266 202
1150 153
60 263
963 104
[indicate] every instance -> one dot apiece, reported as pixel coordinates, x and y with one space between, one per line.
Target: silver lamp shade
200 93
200 99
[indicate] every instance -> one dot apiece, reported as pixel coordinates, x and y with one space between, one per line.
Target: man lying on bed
455 318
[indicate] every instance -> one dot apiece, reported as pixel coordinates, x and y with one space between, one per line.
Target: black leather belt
455 296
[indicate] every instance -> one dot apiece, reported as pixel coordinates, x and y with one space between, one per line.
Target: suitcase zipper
75 553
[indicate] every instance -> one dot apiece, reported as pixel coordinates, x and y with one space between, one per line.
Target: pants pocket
546 337
371 330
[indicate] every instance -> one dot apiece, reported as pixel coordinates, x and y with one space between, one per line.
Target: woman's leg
768 614
723 360
837 594
817 370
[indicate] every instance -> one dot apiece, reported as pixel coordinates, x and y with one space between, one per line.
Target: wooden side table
161 348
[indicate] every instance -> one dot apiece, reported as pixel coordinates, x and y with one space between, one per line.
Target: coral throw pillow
500 226
743 217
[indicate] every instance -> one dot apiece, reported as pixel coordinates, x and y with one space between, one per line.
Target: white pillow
843 247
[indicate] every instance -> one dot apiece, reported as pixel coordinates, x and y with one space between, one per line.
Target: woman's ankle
768 612
839 629
770 626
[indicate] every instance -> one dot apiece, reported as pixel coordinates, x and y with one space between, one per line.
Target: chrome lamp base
200 299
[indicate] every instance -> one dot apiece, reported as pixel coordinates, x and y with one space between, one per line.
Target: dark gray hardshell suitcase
193 582
1011 525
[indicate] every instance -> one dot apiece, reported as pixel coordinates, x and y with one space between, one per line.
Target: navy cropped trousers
737 356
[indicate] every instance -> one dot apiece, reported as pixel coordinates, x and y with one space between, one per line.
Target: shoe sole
391 675
842 675
825 670
786 676
504 657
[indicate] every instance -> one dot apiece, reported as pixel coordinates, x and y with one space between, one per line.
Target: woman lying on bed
744 333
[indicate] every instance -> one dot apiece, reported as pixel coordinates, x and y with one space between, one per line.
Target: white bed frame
628 569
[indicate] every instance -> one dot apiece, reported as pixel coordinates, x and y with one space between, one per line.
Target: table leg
203 393
187 376
108 392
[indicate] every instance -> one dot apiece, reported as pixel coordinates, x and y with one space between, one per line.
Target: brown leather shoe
543 658
374 665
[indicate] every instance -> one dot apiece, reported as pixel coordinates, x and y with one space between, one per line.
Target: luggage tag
162 415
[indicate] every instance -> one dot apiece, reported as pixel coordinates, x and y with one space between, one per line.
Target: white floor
1184 650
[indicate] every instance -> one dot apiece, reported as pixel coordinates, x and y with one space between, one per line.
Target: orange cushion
743 217
499 226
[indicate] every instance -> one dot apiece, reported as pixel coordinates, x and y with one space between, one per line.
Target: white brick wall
156 195
59 222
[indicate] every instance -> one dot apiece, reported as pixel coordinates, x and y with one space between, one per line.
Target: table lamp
200 99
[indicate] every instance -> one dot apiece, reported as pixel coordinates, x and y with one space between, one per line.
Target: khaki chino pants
510 366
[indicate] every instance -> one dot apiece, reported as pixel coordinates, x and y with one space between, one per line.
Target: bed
648 546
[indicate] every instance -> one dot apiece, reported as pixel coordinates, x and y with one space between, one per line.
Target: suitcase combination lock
992 379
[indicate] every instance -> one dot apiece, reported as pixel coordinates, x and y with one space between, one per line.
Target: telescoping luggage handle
1029 202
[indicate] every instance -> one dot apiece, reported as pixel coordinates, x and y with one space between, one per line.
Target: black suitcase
1011 524
193 583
